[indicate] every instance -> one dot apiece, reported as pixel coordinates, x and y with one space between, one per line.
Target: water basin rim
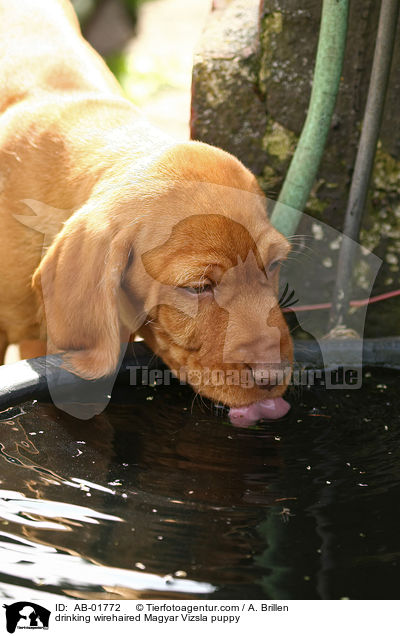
27 379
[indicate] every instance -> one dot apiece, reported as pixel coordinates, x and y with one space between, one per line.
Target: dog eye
199 289
274 266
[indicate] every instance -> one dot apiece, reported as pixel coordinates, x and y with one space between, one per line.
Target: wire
353 303
374 108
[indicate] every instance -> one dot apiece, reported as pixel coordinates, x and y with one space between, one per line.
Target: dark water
151 499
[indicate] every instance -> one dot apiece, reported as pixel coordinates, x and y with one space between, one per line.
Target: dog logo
26 615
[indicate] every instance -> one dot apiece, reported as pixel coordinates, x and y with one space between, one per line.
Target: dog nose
266 376
260 373
263 350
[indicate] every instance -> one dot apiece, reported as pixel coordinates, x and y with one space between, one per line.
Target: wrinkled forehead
212 244
213 211
243 206
216 236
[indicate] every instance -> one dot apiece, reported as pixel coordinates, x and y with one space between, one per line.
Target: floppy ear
78 279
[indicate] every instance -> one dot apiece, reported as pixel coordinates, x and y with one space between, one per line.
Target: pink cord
353 303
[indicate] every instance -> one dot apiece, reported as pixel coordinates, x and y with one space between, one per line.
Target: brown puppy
144 235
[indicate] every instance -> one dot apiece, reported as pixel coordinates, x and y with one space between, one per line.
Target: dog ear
78 280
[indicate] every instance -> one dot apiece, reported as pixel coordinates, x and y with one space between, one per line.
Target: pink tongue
271 409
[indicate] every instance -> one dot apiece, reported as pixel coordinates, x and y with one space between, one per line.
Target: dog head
183 254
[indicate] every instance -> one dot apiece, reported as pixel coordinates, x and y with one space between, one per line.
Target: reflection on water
151 499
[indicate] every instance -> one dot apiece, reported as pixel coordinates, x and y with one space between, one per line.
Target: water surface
158 497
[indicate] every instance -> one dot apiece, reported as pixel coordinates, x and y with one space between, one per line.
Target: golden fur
131 219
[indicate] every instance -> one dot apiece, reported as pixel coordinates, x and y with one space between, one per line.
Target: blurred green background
86 8
147 44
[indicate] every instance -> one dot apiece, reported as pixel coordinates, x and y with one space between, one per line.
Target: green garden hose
306 160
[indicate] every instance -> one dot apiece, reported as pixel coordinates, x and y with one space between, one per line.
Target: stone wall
252 80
